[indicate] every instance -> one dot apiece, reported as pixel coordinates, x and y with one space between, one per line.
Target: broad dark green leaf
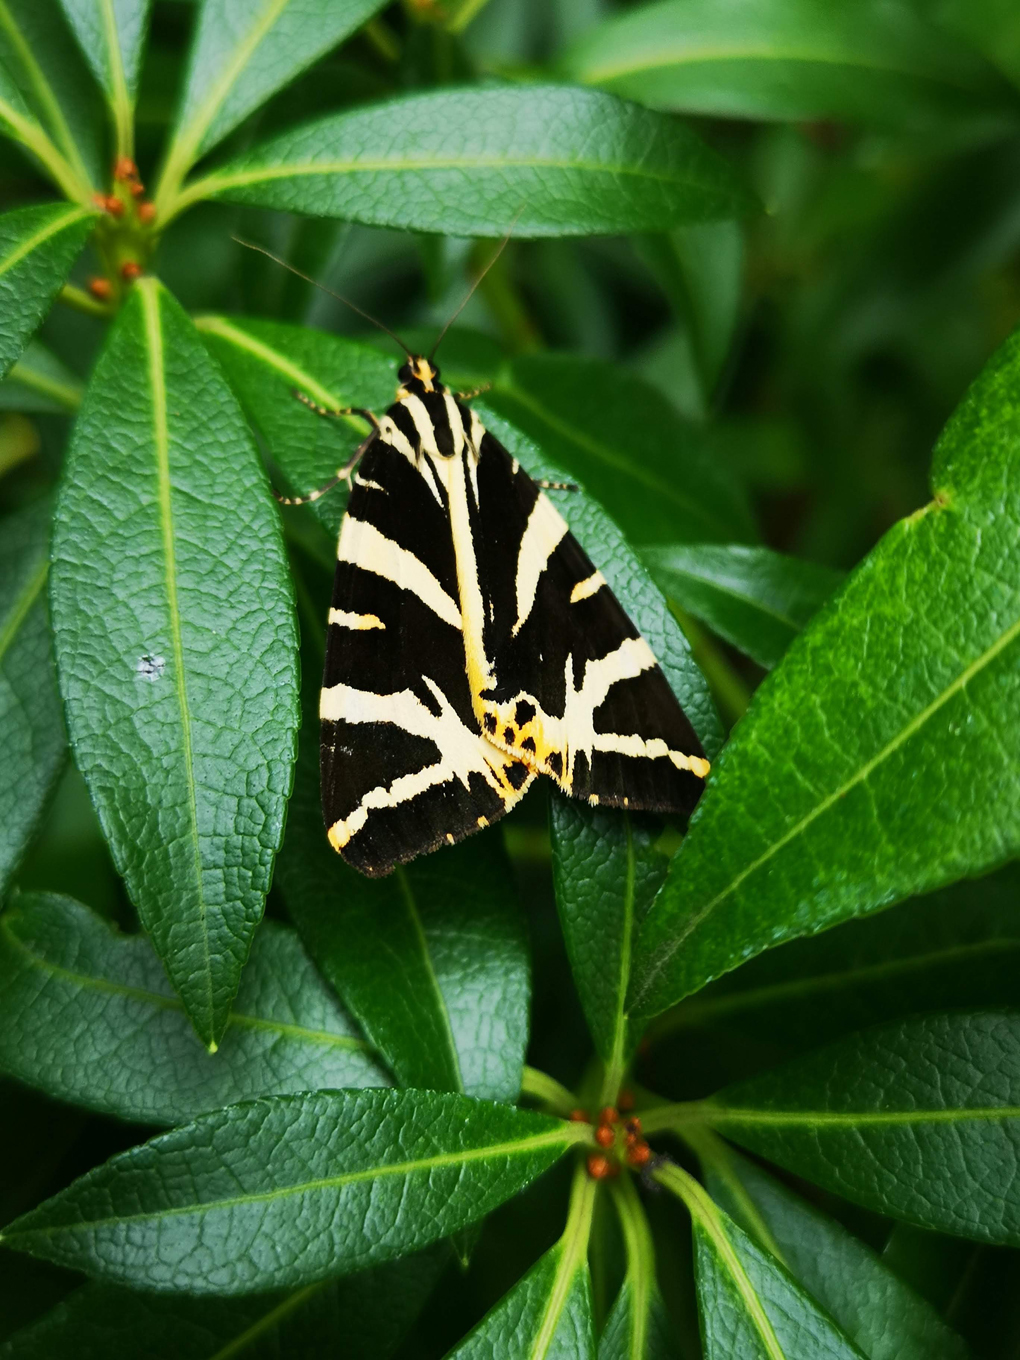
242 54
432 960
284 1191
992 26
874 61
362 1318
628 446
176 645
40 55
38 246
919 1120
547 160
112 36
959 947
879 760
638 1326
31 722
40 383
755 598
749 1305
877 1311
87 1016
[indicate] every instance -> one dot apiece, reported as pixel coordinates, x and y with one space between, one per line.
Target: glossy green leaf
638 1327
757 599
40 383
362 1318
788 59
40 56
432 960
38 246
176 645
111 33
919 1120
314 1185
877 1311
629 448
992 26
546 160
959 947
87 1016
749 1305
244 52
31 724
879 760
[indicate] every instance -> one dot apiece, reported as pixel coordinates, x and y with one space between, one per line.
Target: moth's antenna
471 291
250 245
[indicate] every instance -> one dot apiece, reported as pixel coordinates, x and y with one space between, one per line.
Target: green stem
547 1091
673 1118
383 39
83 302
119 99
731 693
616 1067
34 139
468 10
640 1277
573 1247
68 397
714 1154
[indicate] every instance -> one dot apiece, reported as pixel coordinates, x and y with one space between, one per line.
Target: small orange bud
114 206
639 1154
125 168
147 213
599 1167
137 188
633 1125
101 288
130 270
609 1116
626 1100
604 1136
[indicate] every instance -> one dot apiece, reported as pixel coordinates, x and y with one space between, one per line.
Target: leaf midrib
269 1319
43 234
904 735
89 982
565 1135
749 601
44 92
445 1025
22 605
667 1116
120 99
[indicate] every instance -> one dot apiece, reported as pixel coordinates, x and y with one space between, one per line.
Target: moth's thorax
418 376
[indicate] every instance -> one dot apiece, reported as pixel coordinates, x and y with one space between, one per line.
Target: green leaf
878 1312
755 598
111 33
38 246
918 1120
87 1016
39 383
638 1328
40 55
548 1314
879 760
313 1186
176 645
362 1318
31 724
242 54
546 160
992 26
432 960
629 447
787 59
959 947
749 1305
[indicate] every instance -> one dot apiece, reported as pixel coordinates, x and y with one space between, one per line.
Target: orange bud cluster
130 270
100 288
635 1150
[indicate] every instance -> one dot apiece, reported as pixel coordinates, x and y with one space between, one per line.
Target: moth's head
419 374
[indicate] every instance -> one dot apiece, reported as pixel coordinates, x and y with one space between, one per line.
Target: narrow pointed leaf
786 59
919 1120
40 383
314 1185
87 1016
111 33
757 599
879 760
31 723
363 1318
38 246
548 160
243 52
875 1308
176 645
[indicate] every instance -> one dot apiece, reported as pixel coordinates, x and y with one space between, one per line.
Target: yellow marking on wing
588 587
358 622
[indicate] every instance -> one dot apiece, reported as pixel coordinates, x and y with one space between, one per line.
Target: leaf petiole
547 1091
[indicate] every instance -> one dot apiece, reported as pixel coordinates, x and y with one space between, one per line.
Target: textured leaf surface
40 383
363 1318
877 1311
87 1016
31 723
919 1120
314 1185
621 1338
111 33
757 599
176 645
551 160
880 759
627 444
38 246
790 59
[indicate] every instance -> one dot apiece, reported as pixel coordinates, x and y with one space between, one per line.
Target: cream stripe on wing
367 547
542 534
346 619
589 586
415 408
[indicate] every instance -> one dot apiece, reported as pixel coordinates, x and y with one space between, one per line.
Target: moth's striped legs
341 475
558 486
334 412
474 392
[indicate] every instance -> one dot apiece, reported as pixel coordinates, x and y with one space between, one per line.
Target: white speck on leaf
150 667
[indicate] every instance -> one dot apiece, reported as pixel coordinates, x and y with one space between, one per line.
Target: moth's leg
333 412
558 486
341 475
474 392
